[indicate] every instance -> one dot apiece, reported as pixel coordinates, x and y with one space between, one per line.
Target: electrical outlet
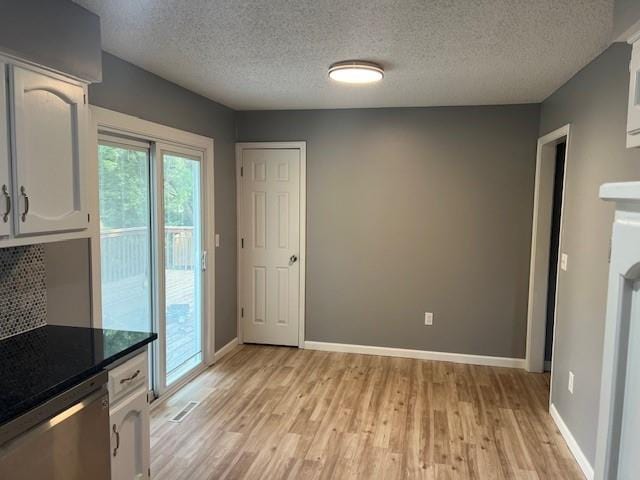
428 318
570 385
217 240
564 261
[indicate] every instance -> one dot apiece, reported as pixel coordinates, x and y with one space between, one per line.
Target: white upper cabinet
48 126
5 178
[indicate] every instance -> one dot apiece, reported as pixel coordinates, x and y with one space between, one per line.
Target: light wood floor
276 413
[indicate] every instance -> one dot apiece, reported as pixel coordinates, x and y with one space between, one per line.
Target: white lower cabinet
129 421
130 437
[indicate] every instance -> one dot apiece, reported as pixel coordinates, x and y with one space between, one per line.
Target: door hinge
242 171
88 218
204 260
84 98
242 243
242 312
149 472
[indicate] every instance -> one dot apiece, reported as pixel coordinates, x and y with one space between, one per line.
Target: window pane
125 238
183 274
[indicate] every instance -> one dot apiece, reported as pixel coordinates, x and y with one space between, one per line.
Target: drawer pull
132 377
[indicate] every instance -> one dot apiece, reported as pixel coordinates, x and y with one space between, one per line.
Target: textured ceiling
274 54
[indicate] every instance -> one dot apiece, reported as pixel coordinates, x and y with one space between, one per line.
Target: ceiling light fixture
356 71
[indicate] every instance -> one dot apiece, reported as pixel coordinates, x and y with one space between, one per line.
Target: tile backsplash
23 289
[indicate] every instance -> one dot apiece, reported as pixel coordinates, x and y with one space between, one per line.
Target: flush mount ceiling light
356 71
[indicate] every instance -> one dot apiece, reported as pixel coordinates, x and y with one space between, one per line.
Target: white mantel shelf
626 191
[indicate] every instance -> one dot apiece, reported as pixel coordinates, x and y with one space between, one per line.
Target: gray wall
129 89
625 14
55 33
412 210
595 103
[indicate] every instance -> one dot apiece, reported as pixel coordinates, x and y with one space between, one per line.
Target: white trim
540 238
228 348
302 146
631 34
104 120
124 124
417 354
574 448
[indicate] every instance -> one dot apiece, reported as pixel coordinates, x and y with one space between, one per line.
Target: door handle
23 192
115 430
204 260
7 208
293 259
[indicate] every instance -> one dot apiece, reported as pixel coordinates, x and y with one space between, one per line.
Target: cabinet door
5 184
130 438
633 117
49 127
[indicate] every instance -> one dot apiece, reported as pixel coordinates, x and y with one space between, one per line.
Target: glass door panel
181 180
125 236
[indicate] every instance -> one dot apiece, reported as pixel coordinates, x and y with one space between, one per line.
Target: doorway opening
546 242
554 251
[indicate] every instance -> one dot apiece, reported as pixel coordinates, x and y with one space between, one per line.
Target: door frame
540 244
302 147
109 121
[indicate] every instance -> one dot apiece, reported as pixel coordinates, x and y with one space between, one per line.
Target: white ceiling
252 54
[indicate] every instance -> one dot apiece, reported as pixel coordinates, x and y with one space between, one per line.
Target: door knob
293 259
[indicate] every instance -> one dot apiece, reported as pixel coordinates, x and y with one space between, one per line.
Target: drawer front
128 376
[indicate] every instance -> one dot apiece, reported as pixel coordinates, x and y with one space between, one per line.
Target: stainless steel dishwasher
66 438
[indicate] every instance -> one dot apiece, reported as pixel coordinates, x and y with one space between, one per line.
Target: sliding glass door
125 235
151 249
181 185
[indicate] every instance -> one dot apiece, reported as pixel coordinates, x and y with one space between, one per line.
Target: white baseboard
225 350
575 449
418 354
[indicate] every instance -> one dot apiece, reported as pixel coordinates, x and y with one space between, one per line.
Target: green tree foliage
180 182
124 188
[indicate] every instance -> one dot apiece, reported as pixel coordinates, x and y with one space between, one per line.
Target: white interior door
5 184
270 245
49 123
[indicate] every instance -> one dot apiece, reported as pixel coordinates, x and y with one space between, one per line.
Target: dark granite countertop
41 363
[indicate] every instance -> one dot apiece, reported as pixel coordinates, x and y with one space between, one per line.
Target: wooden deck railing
125 251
